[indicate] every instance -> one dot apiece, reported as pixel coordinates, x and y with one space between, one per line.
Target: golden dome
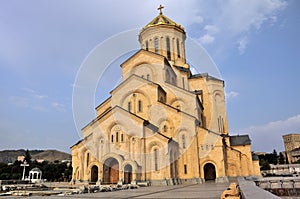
162 20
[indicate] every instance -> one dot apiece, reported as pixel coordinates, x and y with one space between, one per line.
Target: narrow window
129 106
219 124
167 76
183 82
156 45
165 128
112 138
178 48
212 147
87 159
148 77
155 159
185 169
207 147
202 148
122 137
183 141
140 107
147 45
117 136
222 125
168 48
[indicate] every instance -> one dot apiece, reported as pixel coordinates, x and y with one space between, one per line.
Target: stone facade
162 124
292 147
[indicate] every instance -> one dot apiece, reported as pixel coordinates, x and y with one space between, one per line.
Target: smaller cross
160 9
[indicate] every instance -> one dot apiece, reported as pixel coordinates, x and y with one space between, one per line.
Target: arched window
122 137
129 106
147 45
178 48
148 77
117 136
168 48
140 106
156 45
183 141
112 138
155 159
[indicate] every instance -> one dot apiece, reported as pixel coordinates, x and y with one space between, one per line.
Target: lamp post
24 165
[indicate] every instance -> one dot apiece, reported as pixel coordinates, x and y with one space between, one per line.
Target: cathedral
162 125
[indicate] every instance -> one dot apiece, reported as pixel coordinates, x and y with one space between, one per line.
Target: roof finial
160 9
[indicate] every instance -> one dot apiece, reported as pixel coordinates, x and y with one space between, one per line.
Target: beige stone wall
154 103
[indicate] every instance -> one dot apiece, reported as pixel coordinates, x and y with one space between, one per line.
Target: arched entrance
94 174
209 172
127 174
111 171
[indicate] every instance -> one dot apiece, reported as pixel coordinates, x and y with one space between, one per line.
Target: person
292 183
269 184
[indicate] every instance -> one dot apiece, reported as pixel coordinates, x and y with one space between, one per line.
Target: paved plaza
202 191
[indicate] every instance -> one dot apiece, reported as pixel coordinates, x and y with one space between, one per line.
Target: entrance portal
111 171
94 174
127 174
209 172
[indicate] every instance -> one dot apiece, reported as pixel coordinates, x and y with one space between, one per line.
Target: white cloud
198 19
58 106
211 29
242 15
268 136
21 102
242 43
231 94
207 39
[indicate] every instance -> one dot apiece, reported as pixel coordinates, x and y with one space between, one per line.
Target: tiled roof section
187 70
239 140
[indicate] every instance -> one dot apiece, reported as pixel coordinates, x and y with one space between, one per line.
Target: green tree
274 157
281 158
27 156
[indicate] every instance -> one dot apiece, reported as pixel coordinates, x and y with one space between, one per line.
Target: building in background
292 147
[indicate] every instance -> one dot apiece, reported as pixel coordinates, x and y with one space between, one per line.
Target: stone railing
249 190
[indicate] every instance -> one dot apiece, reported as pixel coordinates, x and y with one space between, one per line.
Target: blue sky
255 45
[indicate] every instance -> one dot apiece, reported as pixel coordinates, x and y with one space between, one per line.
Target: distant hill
7 156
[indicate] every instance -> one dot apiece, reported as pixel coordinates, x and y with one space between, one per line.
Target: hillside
7 156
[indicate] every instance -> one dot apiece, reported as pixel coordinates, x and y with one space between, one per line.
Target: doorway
94 174
111 171
209 172
127 174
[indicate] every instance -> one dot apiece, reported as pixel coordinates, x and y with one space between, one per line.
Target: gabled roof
140 52
239 140
134 76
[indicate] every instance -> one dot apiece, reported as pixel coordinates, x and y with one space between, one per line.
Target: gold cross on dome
160 9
